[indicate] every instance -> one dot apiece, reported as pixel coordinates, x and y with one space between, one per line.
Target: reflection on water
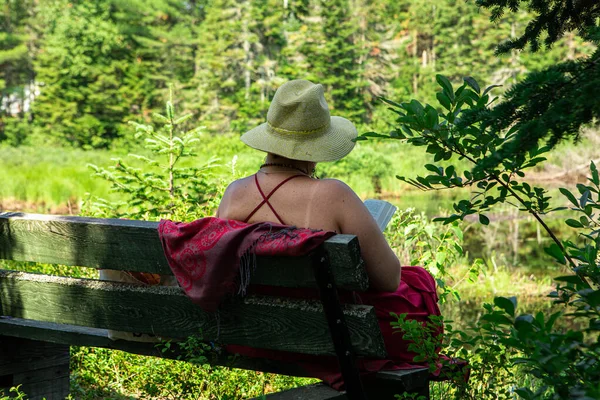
513 238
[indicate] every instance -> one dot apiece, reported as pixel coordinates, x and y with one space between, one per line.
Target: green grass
57 179
47 179
102 373
43 179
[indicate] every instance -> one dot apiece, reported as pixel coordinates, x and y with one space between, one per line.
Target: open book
382 211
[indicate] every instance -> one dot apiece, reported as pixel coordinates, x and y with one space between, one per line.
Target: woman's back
305 202
302 201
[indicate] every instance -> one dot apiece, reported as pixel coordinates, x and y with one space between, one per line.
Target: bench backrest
258 321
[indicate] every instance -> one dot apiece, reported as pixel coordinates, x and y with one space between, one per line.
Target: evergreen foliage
556 102
163 188
16 72
552 18
101 64
334 59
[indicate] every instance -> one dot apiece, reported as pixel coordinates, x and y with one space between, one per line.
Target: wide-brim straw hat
300 127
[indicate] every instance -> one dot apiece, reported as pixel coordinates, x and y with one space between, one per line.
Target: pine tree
331 57
163 188
556 102
81 72
239 58
16 71
107 62
221 64
100 64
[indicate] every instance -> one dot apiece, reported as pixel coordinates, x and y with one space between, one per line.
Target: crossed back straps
267 197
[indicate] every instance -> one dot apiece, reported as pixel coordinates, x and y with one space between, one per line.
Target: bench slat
94 337
394 381
135 246
257 321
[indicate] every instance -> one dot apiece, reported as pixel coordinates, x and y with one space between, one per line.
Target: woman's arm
353 217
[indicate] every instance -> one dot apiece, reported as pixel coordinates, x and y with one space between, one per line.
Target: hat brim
332 144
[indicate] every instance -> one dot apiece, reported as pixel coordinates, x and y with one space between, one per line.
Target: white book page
382 211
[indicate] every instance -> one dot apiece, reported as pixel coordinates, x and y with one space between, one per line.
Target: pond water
513 238
513 241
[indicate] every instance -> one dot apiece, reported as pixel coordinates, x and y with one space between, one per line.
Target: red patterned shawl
210 256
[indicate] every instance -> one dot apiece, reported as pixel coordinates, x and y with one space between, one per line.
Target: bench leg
41 368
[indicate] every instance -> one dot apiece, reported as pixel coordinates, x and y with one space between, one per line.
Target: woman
300 132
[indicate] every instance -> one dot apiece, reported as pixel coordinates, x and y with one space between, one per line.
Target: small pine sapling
164 187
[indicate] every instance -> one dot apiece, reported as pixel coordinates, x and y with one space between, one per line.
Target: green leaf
584 198
593 298
431 117
508 304
484 220
444 83
497 318
569 196
366 135
414 107
487 90
433 168
390 102
575 279
444 100
423 181
555 252
573 223
595 180
472 83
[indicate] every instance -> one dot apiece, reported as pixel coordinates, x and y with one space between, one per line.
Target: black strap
337 326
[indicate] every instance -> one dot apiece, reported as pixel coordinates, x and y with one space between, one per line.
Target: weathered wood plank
388 384
22 355
50 383
94 337
135 246
41 368
410 377
384 384
261 322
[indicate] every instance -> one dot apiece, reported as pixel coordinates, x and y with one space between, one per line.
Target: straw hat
299 126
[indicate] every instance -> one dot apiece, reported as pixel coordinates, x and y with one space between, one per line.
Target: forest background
74 74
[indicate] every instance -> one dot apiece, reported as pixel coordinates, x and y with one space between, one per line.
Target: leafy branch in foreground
563 363
163 188
561 357
448 135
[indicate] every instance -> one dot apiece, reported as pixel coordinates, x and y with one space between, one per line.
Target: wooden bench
42 315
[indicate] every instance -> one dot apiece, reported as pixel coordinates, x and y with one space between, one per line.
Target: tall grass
47 177
43 178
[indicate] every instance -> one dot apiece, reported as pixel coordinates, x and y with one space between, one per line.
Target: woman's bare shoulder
238 185
335 187
234 190
336 190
